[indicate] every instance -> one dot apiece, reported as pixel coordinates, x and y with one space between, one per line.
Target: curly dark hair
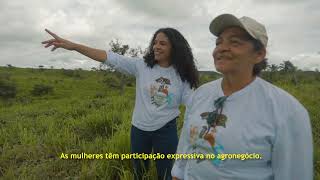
181 56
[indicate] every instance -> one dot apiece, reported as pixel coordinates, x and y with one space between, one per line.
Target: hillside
46 114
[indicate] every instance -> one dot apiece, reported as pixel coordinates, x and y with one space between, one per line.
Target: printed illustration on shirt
204 141
160 92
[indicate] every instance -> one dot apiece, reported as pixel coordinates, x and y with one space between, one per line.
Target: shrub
68 72
41 89
5 76
72 73
7 89
112 81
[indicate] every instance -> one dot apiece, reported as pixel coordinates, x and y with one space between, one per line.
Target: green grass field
83 112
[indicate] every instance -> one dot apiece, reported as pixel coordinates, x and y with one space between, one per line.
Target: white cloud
177 10
307 61
291 30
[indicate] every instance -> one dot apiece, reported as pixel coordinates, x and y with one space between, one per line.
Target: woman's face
162 48
234 53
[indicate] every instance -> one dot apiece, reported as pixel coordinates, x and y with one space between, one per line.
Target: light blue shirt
261 119
159 91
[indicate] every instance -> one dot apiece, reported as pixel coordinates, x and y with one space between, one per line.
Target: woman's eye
235 41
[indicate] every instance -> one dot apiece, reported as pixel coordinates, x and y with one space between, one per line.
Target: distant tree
102 67
9 66
41 67
135 52
288 67
273 68
271 72
118 47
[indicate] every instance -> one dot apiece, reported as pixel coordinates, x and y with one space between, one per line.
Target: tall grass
86 113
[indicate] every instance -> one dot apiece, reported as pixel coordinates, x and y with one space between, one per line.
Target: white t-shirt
159 91
260 119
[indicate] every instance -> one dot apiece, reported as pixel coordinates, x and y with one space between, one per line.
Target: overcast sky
293 27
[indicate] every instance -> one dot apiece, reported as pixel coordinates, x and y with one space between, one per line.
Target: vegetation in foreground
47 112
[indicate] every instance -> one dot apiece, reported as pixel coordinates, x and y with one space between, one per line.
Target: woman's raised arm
58 42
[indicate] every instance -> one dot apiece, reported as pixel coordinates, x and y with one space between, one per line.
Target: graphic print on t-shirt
204 141
160 92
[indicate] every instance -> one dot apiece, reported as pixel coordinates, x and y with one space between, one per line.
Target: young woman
165 78
255 130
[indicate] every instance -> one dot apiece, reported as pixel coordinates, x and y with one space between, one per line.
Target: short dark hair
181 56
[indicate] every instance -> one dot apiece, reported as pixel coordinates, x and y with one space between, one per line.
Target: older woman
251 129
